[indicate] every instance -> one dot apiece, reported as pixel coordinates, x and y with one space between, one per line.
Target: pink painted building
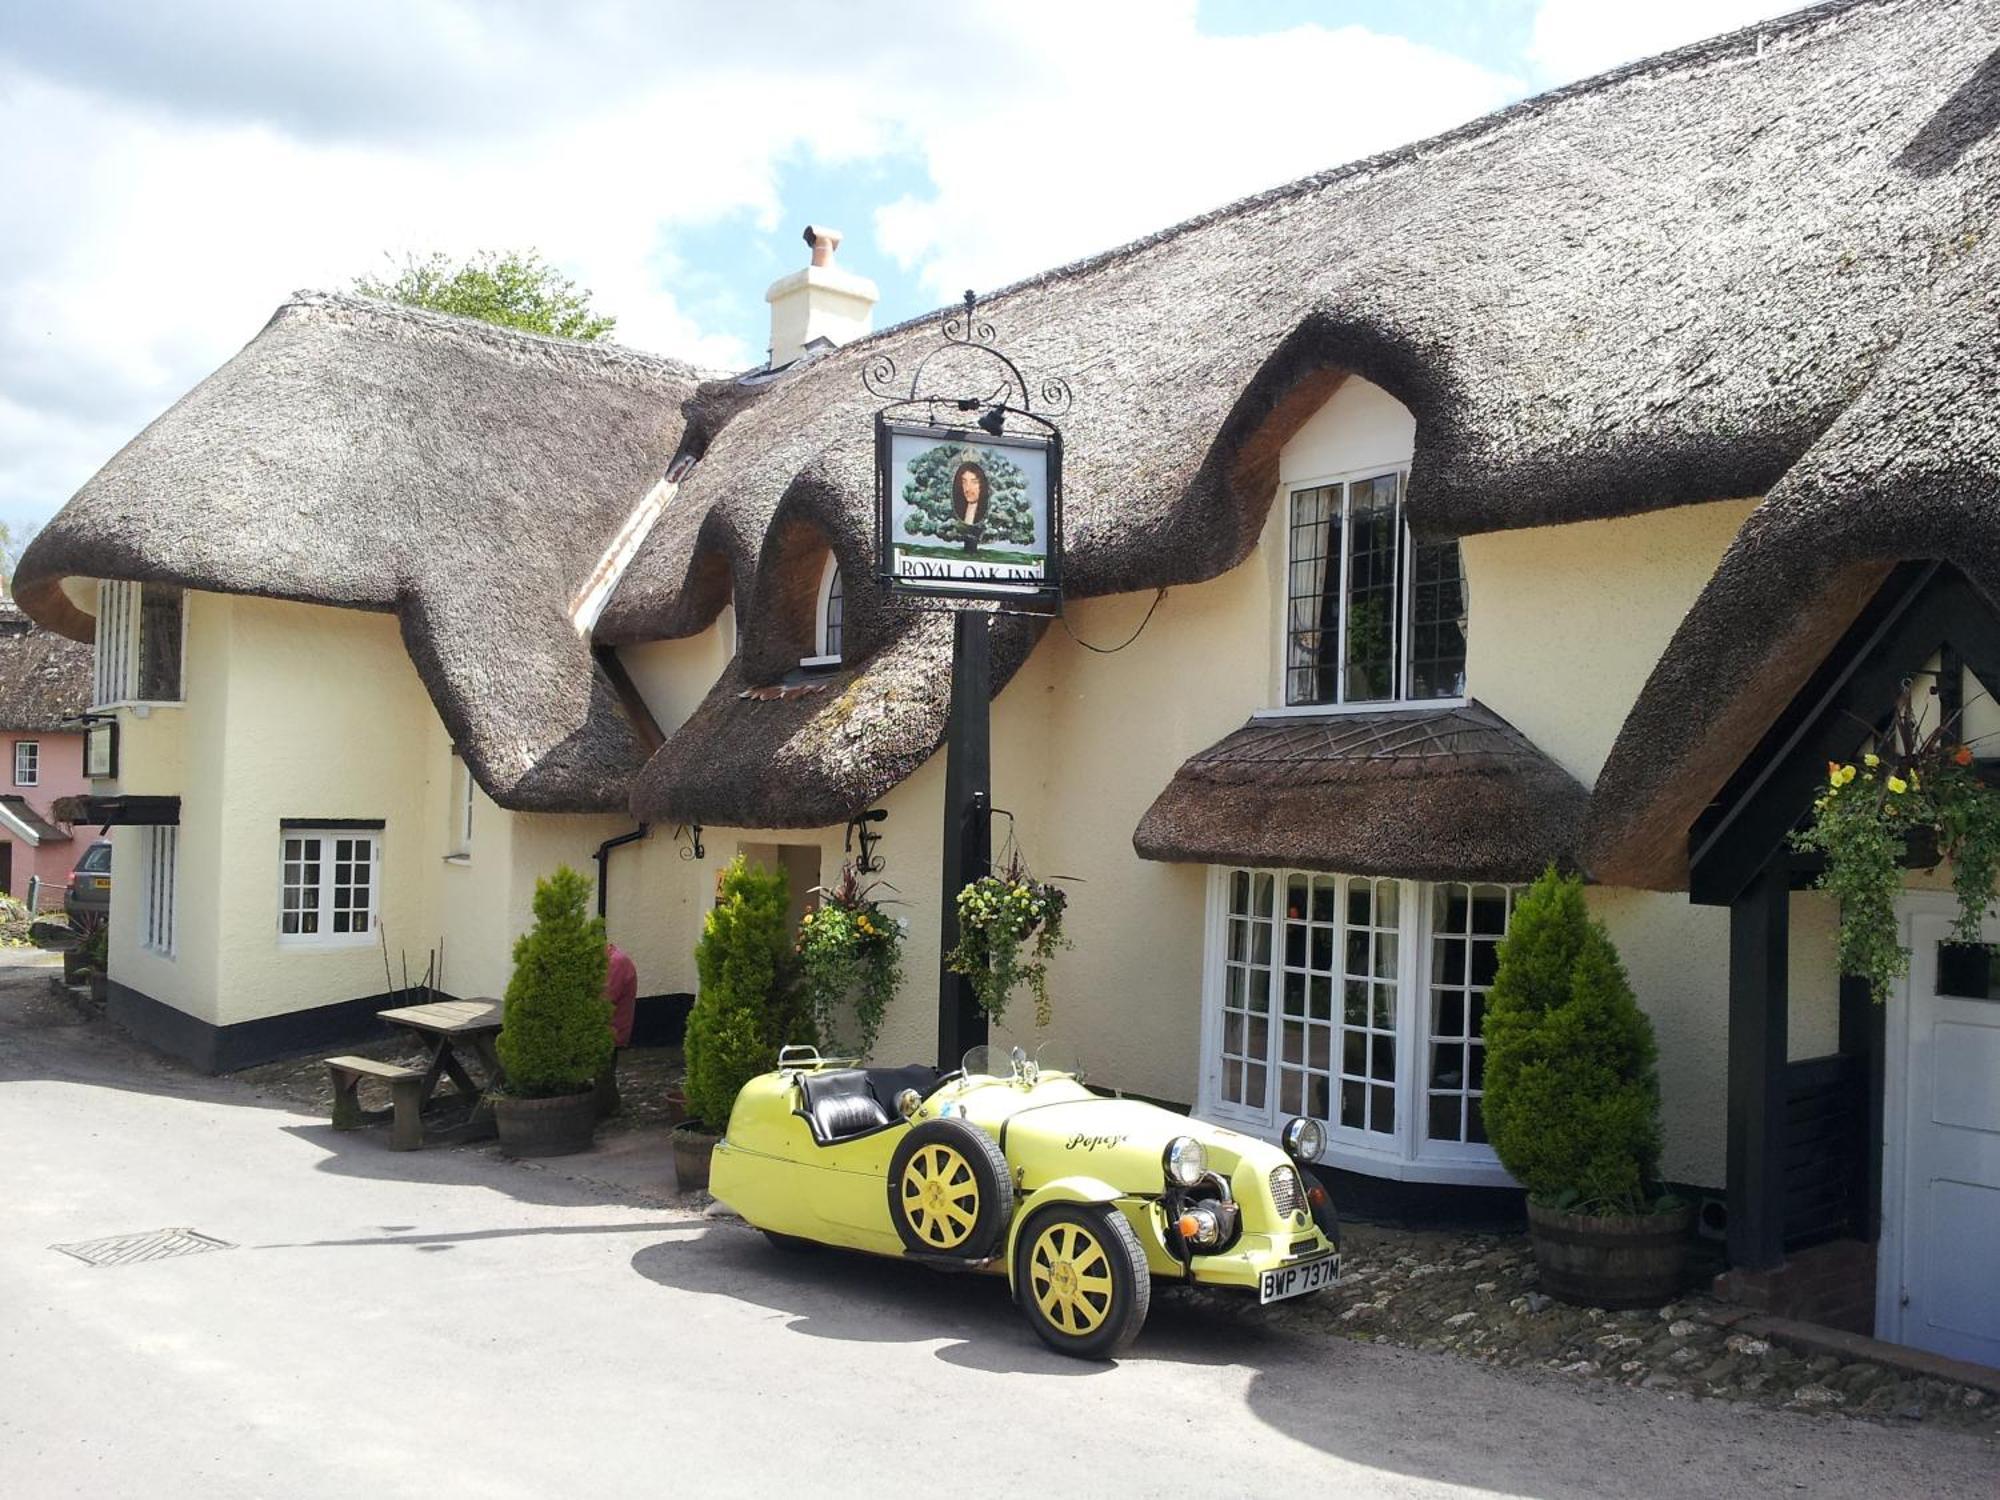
44 684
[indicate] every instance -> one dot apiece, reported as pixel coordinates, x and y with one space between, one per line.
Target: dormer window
827 619
1371 615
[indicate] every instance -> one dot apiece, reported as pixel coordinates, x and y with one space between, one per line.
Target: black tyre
949 1190
791 1244
1081 1279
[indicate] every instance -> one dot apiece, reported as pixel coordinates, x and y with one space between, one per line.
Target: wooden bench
406 1096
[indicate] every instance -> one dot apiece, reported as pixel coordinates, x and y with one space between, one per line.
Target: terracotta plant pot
556 1126
693 1148
1638 1261
677 1103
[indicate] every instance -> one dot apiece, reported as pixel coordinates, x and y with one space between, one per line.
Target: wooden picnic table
451 1029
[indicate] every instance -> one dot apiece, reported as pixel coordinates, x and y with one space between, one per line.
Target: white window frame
1406 1153
162 857
1406 594
326 937
463 793
825 651
28 769
116 658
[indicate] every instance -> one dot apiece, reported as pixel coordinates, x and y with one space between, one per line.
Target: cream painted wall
1567 621
674 676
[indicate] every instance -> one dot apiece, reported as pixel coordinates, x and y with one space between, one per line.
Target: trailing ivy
1863 823
850 953
1009 927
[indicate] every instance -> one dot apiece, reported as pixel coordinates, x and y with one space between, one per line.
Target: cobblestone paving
1475 1295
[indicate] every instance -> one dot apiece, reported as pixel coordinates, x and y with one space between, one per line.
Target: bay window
1358 1002
1371 615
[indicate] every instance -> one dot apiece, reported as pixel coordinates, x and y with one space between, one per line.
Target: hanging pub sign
968 487
969 514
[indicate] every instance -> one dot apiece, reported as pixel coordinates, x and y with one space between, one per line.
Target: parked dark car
88 896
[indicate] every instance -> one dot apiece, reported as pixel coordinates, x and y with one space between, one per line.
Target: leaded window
1371 616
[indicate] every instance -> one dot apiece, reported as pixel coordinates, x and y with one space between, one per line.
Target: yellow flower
1897 784
1871 760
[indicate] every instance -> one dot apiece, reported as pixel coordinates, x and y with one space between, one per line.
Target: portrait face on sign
966 513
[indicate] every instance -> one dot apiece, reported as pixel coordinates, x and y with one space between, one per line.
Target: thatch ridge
467 478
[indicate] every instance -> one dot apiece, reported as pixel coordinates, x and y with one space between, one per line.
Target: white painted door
1950 1220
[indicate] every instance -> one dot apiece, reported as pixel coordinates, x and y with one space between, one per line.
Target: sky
170 170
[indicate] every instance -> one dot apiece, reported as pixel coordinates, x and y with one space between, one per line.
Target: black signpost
968 515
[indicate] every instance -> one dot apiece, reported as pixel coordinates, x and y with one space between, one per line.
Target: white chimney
822 302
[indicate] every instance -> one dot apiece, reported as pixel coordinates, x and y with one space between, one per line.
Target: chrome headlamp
1185 1161
1303 1139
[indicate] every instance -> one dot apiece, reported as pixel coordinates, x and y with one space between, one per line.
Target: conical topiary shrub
555 1037
746 1008
1572 1099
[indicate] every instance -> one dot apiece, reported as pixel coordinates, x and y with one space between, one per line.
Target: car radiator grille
1285 1192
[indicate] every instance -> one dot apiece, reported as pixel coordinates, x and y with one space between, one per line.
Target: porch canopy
108 811
1448 793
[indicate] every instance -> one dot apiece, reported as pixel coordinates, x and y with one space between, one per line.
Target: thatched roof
1662 286
465 477
45 678
1911 470
1423 794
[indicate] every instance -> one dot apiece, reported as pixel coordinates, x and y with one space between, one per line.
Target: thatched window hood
1417 793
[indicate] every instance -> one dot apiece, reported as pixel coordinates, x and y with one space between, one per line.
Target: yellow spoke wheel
1069 1277
940 1197
950 1193
1081 1278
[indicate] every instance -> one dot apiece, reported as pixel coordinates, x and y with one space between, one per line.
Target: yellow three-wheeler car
1012 1166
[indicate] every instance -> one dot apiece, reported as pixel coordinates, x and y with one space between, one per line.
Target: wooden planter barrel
558 1126
1611 1262
693 1149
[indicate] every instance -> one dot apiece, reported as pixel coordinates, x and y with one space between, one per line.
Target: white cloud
1138 121
1577 38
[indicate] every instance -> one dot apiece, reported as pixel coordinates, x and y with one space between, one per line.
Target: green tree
556 1033
1572 1097
928 493
12 544
512 288
748 1005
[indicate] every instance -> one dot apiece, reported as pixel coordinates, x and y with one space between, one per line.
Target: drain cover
130 1249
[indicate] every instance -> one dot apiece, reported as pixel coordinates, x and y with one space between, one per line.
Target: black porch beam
1856 686
1759 993
1862 1035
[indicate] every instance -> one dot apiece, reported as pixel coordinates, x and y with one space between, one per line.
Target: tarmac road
443 1323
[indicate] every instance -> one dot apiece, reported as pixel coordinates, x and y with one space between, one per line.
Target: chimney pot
822 302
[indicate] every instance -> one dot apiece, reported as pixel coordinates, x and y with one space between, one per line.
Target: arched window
827 619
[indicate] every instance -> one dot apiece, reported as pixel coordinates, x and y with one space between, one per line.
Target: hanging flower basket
1911 799
1009 927
850 955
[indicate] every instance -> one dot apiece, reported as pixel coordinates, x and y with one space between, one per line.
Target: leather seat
848 1102
839 1104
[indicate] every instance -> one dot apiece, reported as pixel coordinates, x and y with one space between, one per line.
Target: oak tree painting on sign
968 509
